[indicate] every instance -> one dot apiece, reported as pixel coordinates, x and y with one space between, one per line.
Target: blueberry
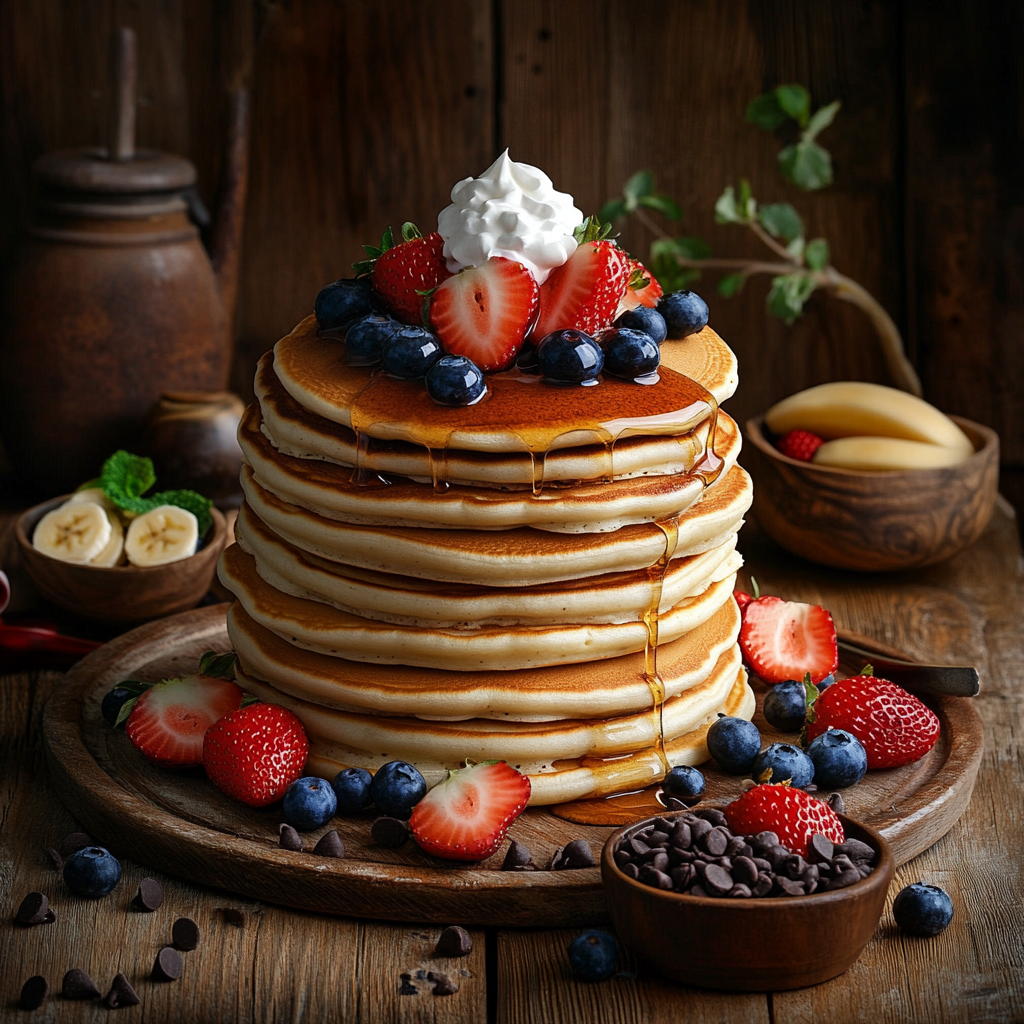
352 788
684 783
92 871
785 706
839 759
592 955
527 359
787 763
922 909
569 357
410 352
734 743
114 701
826 682
455 380
685 313
367 338
396 789
309 803
629 353
650 321
341 302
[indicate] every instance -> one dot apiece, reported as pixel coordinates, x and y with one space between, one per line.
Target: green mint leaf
125 478
807 165
188 500
730 285
821 120
726 211
788 294
765 112
663 204
816 254
795 101
218 666
410 231
781 221
639 185
612 210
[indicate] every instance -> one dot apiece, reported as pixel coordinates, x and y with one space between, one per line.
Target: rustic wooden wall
367 112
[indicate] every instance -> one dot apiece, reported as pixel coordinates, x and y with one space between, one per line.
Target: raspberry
799 444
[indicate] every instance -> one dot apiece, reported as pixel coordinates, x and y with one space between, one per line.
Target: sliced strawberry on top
641 288
466 816
254 754
485 312
742 599
170 719
785 639
893 726
793 815
401 273
584 292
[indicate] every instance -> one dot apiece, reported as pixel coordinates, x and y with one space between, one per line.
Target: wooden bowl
868 521
747 945
124 593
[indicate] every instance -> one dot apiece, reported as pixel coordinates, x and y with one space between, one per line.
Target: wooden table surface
283 965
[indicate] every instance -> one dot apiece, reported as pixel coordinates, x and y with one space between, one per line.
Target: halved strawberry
742 599
584 292
893 726
784 639
793 815
466 816
170 719
254 754
485 312
401 273
642 289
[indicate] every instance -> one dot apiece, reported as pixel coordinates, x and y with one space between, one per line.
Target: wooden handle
123 68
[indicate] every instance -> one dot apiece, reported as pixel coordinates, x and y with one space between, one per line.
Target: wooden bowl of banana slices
901 485
72 550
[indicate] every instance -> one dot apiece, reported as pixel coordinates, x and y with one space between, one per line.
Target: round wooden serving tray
179 823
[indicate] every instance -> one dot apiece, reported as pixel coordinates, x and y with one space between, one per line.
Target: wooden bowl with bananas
116 593
896 485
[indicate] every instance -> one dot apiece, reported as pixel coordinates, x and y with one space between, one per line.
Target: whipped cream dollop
511 210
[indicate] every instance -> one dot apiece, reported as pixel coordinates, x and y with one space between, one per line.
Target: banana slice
111 554
166 534
93 496
852 408
880 454
73 533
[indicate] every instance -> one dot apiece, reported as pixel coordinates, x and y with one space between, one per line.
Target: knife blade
954 680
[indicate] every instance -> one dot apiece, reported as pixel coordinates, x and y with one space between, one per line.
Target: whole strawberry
793 815
254 754
799 444
893 726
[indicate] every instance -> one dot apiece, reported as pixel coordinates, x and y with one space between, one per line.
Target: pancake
568 779
610 687
517 557
328 490
406 600
328 630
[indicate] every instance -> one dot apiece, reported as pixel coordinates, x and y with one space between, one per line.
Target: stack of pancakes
545 577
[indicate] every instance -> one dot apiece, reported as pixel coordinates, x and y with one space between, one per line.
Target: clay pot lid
89 170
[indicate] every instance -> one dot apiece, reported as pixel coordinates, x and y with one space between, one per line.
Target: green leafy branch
799 266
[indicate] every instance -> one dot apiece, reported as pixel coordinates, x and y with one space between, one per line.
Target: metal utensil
955 680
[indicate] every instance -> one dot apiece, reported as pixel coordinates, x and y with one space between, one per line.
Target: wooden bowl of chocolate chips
747 929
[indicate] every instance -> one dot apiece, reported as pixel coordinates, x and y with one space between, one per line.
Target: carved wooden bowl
748 945
123 593
873 521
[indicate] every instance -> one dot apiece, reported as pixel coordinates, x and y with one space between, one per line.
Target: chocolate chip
835 801
407 988
864 869
744 870
656 879
660 861
73 842
712 814
168 965
149 896
697 890
33 910
683 875
454 941
556 859
658 839
185 934
631 871
288 837
793 866
844 878
761 864
329 845
620 856
34 993
55 859
820 848
681 837
762 886
788 887
78 985
810 874
577 854
776 855
739 890
856 850
717 880
121 994
841 863
389 832
232 916
519 855
639 846
716 842
738 848
663 825
764 841
443 985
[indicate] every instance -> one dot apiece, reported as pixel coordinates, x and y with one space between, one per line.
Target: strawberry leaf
219 666
410 231
125 711
249 699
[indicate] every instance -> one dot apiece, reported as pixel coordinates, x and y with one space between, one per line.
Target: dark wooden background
366 112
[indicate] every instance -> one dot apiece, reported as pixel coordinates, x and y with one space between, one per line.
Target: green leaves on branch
788 294
665 256
736 207
807 165
639 191
816 255
780 220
